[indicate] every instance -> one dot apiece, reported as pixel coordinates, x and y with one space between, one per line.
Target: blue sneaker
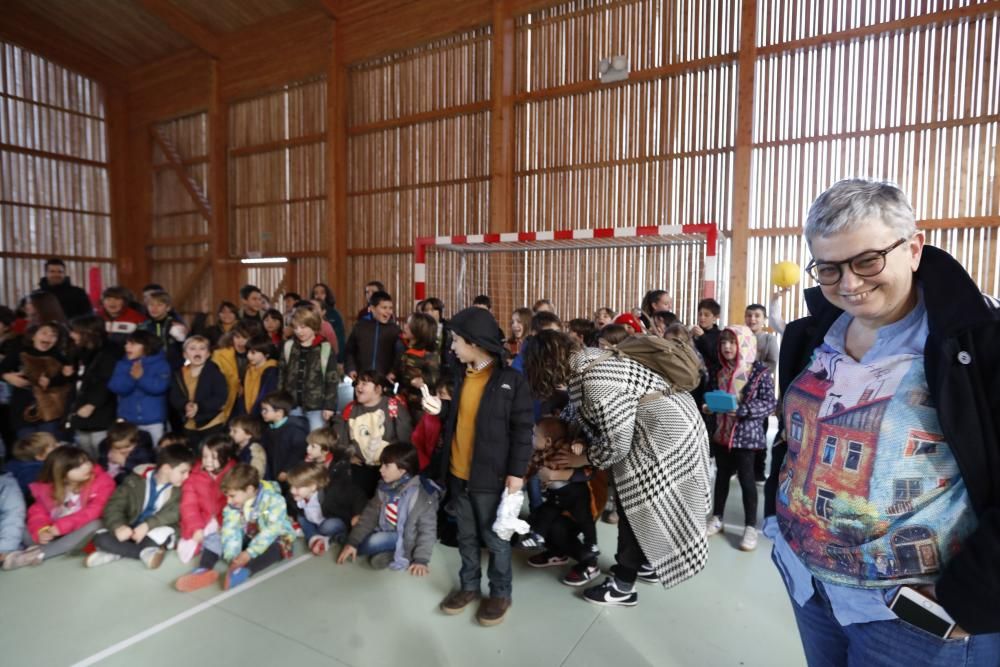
235 577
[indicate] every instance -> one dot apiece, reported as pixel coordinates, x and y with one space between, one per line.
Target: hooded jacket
94 495
73 299
962 364
201 499
129 499
752 382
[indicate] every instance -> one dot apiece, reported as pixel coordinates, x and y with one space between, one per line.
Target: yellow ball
785 274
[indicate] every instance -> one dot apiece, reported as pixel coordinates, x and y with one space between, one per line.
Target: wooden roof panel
119 29
233 15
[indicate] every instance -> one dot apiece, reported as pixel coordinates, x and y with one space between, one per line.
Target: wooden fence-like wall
179 241
278 184
418 157
54 190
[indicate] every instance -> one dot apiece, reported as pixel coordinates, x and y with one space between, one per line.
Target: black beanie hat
478 326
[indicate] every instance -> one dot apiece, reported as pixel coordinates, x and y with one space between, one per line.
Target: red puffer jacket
202 500
93 497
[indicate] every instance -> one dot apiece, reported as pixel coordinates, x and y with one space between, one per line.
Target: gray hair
848 204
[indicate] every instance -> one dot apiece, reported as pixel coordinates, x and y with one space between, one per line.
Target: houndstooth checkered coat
657 449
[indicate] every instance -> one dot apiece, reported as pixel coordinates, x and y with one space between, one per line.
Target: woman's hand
562 460
85 411
930 592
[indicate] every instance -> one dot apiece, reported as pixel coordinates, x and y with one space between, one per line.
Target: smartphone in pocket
920 611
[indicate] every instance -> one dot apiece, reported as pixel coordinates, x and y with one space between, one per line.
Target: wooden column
502 217
741 163
127 234
336 167
223 280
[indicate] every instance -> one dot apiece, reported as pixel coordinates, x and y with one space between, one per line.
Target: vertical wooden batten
502 139
336 165
127 238
739 243
218 137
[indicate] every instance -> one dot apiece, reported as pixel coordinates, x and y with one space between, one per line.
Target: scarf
251 383
734 375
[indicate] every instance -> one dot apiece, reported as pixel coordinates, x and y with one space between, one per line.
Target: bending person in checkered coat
653 440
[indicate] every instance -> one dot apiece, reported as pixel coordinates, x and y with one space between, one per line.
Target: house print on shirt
870 490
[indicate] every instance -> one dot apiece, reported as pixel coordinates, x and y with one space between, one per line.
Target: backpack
324 353
673 360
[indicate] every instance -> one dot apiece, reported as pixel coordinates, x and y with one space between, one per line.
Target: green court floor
315 612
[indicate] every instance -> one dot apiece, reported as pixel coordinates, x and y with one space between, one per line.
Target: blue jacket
142 401
11 514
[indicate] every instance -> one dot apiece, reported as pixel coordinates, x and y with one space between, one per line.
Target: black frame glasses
866 264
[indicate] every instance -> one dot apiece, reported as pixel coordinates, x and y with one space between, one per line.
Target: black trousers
741 462
270 556
778 453
629 557
573 498
107 541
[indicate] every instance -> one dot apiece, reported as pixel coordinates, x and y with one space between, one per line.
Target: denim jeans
474 516
893 643
378 542
332 527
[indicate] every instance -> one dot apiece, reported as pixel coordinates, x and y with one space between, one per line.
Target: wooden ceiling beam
185 26
32 31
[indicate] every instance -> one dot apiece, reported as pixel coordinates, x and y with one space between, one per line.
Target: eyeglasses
867 264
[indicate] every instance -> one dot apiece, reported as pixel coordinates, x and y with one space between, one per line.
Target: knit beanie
477 326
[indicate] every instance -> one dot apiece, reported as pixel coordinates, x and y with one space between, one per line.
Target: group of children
226 444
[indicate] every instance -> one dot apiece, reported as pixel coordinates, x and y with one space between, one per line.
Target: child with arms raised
256 532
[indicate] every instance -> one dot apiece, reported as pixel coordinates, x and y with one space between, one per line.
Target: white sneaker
714 526
99 558
152 557
749 541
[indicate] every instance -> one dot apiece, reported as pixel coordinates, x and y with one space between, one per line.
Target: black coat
93 390
73 299
210 394
962 362
372 345
285 446
344 497
503 430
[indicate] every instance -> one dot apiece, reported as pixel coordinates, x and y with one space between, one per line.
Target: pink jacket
93 497
202 500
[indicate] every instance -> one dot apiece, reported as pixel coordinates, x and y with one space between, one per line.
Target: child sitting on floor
256 532
70 494
125 449
140 519
245 432
308 482
398 527
202 500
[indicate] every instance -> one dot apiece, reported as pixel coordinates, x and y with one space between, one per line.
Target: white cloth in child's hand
508 519
178 332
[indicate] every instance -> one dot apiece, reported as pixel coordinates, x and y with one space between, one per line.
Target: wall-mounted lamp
613 69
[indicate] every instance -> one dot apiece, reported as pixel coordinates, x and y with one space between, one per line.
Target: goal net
578 270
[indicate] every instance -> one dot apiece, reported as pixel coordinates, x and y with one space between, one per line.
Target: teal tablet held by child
720 401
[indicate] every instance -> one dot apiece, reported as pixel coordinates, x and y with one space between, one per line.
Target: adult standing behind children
73 299
487 450
372 343
653 439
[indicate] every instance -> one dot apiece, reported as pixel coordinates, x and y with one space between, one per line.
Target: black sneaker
547 559
531 541
580 574
609 595
647 573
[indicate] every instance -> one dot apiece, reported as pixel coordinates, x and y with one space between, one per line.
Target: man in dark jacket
487 447
372 343
73 299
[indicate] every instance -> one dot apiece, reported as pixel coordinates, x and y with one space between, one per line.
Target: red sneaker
193 581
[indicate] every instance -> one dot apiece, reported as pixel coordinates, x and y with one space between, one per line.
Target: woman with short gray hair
888 505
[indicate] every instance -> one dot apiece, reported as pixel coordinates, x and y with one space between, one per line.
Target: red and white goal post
579 270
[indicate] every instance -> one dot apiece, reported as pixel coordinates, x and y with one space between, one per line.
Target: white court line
184 615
